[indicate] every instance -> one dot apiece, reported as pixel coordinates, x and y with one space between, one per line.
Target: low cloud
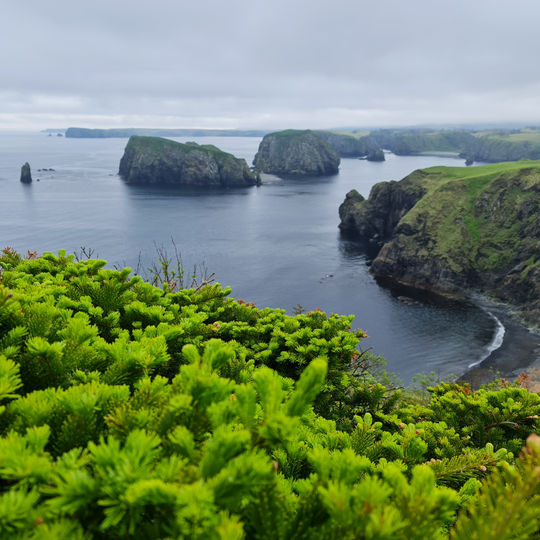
260 64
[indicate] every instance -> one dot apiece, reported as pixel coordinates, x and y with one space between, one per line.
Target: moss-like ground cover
475 216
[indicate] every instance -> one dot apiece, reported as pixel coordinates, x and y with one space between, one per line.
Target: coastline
514 348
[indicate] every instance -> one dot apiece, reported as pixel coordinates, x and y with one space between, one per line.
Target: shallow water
277 244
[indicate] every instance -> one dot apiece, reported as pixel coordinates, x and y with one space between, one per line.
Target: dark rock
376 155
26 175
374 221
153 160
296 153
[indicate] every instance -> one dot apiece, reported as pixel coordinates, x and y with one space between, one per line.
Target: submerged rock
26 175
296 153
153 160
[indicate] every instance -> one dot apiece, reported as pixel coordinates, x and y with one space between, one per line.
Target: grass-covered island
154 160
130 411
296 153
451 229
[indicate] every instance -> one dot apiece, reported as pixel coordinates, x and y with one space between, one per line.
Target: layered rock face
26 174
153 160
296 153
450 229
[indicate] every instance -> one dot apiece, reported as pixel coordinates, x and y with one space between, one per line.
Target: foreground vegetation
128 410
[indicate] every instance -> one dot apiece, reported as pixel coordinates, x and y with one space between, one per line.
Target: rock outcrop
153 160
26 174
375 155
349 146
296 153
454 229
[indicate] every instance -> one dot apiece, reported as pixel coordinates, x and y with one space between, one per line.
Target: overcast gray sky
268 64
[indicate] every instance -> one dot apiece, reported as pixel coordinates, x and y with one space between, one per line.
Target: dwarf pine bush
130 411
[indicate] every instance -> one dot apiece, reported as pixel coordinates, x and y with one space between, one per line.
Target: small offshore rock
26 175
376 155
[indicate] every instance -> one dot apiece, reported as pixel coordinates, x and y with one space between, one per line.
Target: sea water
277 245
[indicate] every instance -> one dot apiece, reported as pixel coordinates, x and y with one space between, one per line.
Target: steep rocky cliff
296 153
153 160
349 146
451 229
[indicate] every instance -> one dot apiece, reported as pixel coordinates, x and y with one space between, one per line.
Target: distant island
451 229
153 160
296 153
86 133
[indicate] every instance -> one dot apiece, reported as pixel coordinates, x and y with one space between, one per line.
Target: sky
268 64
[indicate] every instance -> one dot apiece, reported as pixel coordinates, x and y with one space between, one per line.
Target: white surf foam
496 341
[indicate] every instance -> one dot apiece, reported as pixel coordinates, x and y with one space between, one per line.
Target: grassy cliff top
482 216
290 133
158 144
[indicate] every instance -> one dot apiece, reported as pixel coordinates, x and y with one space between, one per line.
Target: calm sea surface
277 245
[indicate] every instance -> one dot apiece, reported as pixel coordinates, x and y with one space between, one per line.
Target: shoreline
514 348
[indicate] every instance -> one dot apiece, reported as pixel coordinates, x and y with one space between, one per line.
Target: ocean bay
277 245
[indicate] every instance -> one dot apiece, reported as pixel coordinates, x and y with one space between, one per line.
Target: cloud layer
260 64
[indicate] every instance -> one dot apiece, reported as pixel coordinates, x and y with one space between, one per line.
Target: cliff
484 145
152 160
451 229
349 146
296 153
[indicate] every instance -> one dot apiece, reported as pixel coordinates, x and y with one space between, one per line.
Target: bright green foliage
508 504
127 411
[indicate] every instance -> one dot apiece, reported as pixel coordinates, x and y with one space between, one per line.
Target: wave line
496 342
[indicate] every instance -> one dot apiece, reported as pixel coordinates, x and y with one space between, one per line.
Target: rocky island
452 229
376 155
296 153
26 174
153 160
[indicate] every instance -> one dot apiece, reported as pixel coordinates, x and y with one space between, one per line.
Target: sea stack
26 175
376 155
296 153
153 160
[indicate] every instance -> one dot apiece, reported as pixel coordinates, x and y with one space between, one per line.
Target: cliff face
349 146
450 229
296 153
373 221
152 160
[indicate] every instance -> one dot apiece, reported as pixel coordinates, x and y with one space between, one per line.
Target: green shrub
129 411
